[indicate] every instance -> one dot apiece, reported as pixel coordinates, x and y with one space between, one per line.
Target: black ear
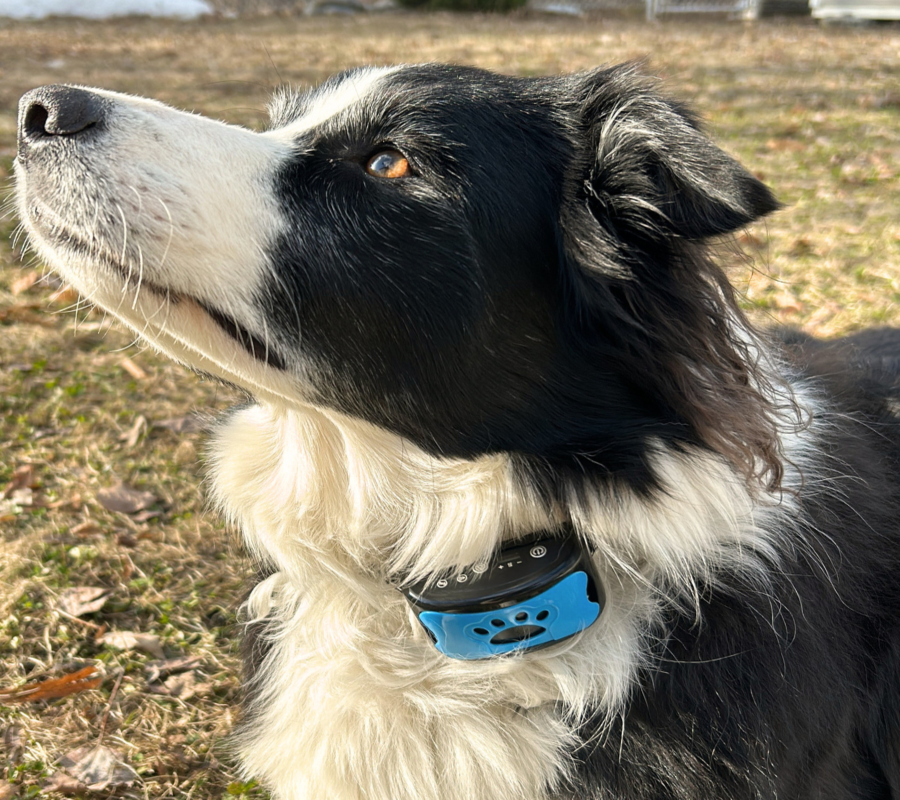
644 191
651 170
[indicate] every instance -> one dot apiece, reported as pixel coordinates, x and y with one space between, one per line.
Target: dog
471 310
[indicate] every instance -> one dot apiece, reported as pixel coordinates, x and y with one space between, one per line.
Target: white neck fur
353 700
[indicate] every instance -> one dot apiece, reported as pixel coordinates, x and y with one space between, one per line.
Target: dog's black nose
57 111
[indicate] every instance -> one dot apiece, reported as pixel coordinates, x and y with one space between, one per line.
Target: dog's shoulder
863 363
867 349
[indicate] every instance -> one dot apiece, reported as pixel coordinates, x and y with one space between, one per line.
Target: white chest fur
352 702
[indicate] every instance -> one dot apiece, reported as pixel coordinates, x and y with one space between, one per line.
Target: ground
814 111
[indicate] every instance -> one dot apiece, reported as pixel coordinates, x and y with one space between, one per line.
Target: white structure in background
855 9
745 9
101 9
734 7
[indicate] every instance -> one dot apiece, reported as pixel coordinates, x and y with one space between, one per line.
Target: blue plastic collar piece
561 611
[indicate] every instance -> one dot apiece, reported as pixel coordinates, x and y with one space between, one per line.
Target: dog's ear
645 190
649 170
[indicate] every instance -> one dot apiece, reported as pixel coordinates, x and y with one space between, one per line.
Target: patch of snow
563 8
102 9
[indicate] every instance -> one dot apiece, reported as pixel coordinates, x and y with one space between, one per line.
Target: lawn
101 468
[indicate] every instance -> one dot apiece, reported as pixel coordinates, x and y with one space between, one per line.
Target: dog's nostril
35 121
52 111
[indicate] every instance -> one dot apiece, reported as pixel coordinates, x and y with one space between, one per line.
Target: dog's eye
388 164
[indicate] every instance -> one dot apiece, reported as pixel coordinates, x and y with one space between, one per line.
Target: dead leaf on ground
125 498
7 790
74 502
128 568
183 686
133 434
80 600
27 315
23 478
125 539
783 144
133 369
24 283
85 528
752 239
128 640
65 294
98 767
190 423
53 688
64 784
169 666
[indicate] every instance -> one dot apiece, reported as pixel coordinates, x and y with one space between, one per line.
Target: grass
815 111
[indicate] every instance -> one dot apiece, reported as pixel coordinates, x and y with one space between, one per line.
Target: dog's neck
373 501
338 509
306 487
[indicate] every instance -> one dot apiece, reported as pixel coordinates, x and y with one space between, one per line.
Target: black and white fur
526 330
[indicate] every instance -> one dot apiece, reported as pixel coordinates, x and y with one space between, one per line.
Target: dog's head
477 262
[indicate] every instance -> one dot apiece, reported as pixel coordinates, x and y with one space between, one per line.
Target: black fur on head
648 188
539 285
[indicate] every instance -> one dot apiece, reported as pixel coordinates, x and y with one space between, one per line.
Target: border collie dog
473 309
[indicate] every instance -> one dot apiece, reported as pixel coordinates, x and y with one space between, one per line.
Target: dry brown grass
815 111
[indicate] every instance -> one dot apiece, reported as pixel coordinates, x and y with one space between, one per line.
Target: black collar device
532 594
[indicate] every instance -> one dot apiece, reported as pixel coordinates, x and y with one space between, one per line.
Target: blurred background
119 595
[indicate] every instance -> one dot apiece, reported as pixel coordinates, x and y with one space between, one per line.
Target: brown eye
388 164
